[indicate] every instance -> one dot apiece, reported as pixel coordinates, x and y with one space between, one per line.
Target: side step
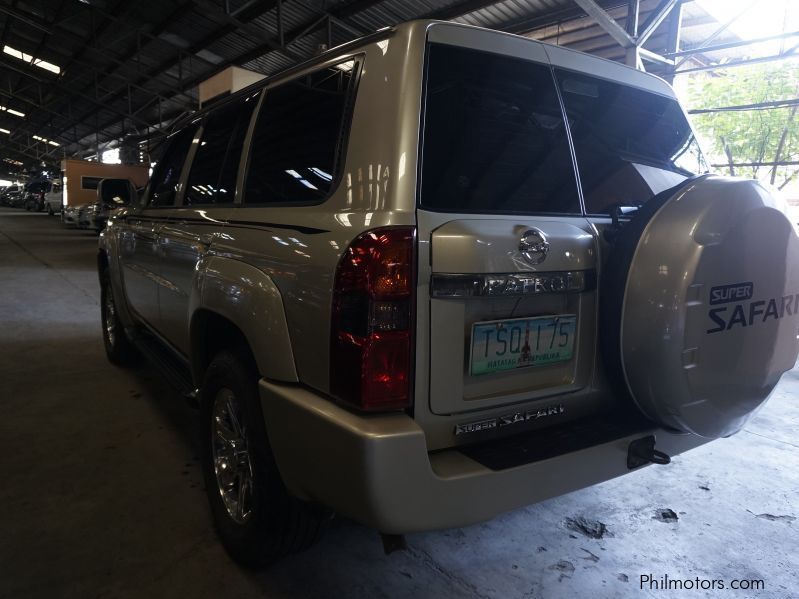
171 367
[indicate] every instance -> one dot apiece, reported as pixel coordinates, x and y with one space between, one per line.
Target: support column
673 40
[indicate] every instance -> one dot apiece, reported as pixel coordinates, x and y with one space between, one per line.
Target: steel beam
152 35
608 23
229 20
254 11
83 95
729 65
673 38
631 26
724 26
777 163
448 12
528 24
20 151
728 45
745 107
22 17
656 17
654 57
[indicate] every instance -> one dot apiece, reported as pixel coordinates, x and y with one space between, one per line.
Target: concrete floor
102 495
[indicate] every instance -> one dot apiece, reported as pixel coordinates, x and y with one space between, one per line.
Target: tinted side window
212 178
494 138
167 172
298 138
630 143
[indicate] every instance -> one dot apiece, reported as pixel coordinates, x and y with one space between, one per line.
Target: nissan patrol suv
440 273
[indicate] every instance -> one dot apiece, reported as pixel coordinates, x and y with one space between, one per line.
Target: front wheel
255 517
118 347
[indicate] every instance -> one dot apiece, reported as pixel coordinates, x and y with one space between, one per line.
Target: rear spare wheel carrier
700 303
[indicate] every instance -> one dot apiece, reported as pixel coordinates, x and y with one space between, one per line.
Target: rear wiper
618 212
622 210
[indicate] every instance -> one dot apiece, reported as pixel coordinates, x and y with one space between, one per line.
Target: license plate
509 344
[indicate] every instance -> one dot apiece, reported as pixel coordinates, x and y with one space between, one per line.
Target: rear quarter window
299 138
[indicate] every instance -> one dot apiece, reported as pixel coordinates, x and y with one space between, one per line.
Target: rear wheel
255 517
118 347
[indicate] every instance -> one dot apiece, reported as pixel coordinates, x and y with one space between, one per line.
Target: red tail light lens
371 341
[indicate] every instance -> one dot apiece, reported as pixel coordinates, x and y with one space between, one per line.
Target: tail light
371 353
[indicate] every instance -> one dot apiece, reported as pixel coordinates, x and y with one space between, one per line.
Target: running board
172 368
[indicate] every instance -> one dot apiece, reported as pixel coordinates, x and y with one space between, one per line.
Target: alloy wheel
110 316
231 457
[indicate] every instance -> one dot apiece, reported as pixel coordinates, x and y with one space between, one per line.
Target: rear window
494 137
630 144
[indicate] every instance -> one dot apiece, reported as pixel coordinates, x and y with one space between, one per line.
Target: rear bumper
376 469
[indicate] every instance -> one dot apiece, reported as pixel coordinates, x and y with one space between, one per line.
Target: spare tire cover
709 305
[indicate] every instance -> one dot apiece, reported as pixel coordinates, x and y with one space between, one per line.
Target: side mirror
116 192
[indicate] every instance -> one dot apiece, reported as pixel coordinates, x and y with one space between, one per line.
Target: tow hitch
642 451
392 543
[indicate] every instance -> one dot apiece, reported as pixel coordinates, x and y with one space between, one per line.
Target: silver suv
440 273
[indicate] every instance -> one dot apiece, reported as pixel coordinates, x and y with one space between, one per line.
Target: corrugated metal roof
129 66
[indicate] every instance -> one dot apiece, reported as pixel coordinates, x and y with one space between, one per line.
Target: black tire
118 347
272 523
50 210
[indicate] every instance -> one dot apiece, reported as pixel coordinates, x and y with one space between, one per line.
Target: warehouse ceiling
81 75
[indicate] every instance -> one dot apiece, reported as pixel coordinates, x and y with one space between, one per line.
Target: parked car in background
70 215
444 272
54 198
17 199
33 199
13 196
86 216
78 215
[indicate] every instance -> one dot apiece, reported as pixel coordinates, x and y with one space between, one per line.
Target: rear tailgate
504 330
508 322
